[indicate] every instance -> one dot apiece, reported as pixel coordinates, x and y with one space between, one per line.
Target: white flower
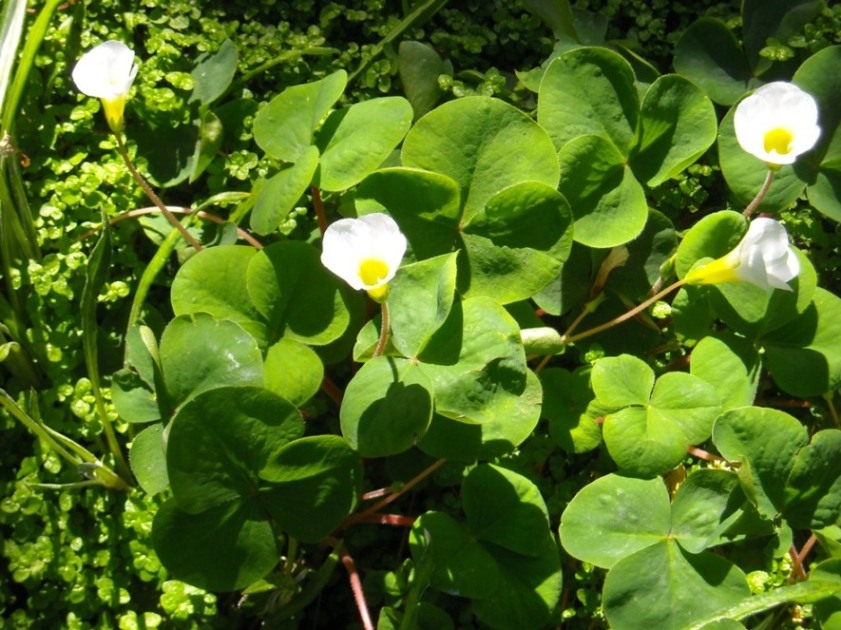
364 252
763 258
776 123
106 72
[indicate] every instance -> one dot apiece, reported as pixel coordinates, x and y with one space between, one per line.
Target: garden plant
421 314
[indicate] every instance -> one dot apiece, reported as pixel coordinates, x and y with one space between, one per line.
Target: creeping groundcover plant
563 353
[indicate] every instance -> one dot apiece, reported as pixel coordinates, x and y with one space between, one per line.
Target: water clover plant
460 348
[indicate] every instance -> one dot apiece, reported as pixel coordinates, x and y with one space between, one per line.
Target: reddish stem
319 209
332 390
376 494
807 547
398 520
798 573
705 455
361 516
356 587
176 210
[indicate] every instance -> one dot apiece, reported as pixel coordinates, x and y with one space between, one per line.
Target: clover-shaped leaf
651 422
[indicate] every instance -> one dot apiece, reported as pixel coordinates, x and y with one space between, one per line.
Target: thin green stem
123 151
285 57
625 316
829 398
384 326
8 403
766 186
314 585
589 307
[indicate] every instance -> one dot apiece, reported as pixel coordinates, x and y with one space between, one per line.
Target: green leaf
386 407
293 371
614 517
488 371
821 166
133 399
225 548
651 439
705 506
566 401
285 127
485 145
589 91
276 198
213 281
452 440
664 587
766 442
318 480
213 75
517 244
731 365
514 420
211 134
200 353
142 354
609 202
355 141
711 237
754 311
219 442
506 509
780 20
823 583
420 298
647 254
622 381
804 355
528 589
557 15
426 205
507 559
419 66
462 564
677 125
296 294
710 56
813 490
148 459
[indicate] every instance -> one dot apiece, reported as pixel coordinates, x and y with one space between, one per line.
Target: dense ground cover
504 435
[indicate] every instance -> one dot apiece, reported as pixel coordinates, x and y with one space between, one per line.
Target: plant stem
130 214
384 325
318 204
314 585
625 316
356 587
121 148
798 573
753 205
361 516
828 397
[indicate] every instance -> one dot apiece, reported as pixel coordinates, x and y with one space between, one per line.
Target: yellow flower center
372 271
778 140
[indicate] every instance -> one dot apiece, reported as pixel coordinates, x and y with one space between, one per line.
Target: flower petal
781 111
106 71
